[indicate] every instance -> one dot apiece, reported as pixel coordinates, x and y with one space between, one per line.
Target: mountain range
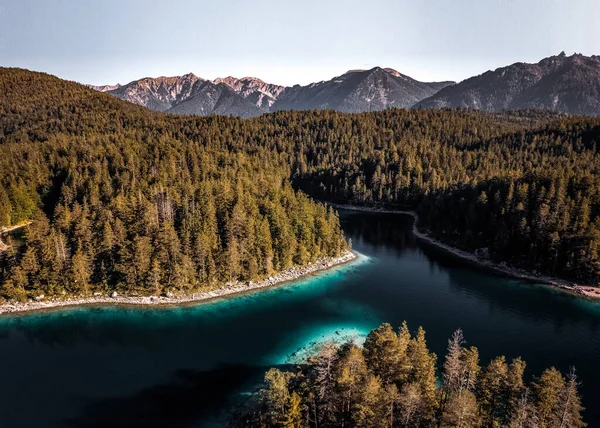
353 91
569 84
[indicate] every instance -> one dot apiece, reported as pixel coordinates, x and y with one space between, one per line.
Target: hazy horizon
286 42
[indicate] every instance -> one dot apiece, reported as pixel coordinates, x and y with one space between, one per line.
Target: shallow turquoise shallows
184 367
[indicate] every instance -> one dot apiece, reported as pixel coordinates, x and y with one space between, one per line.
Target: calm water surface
181 367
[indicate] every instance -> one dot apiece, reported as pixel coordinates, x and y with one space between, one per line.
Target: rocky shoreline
229 289
587 291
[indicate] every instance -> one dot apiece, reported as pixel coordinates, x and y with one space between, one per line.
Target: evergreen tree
547 390
461 410
491 390
569 408
423 364
385 354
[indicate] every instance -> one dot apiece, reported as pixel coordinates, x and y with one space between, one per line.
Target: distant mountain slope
254 90
354 91
210 98
187 94
358 91
159 93
104 88
569 84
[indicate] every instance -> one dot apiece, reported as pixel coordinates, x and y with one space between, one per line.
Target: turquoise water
183 367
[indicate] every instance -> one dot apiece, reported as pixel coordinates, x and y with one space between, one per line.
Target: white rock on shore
170 299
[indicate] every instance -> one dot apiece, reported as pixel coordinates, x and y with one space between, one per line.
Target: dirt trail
4 230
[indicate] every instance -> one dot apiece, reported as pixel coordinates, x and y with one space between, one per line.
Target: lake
185 366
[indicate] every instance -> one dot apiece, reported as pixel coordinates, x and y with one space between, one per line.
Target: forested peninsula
391 381
123 199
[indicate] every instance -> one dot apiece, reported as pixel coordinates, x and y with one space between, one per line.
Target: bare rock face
561 83
259 93
159 93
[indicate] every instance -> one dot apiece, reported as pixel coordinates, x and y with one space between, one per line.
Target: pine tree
350 378
412 405
276 394
523 413
385 354
461 410
514 387
369 411
470 368
391 401
568 411
323 376
491 390
453 367
423 372
5 208
547 390
80 272
292 418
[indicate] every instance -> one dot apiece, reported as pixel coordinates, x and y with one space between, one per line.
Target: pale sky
288 41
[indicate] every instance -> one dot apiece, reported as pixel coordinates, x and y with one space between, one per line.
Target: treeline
523 184
547 223
391 382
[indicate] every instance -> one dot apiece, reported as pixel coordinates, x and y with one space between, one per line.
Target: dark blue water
182 367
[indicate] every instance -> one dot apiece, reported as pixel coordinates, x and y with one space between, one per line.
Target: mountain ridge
358 90
569 84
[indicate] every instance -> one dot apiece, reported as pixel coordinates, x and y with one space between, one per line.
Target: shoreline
563 285
292 274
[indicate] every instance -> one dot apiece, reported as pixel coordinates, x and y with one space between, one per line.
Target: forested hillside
121 202
392 382
126 197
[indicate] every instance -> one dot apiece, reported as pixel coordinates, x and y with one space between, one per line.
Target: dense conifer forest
125 198
391 382
120 201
